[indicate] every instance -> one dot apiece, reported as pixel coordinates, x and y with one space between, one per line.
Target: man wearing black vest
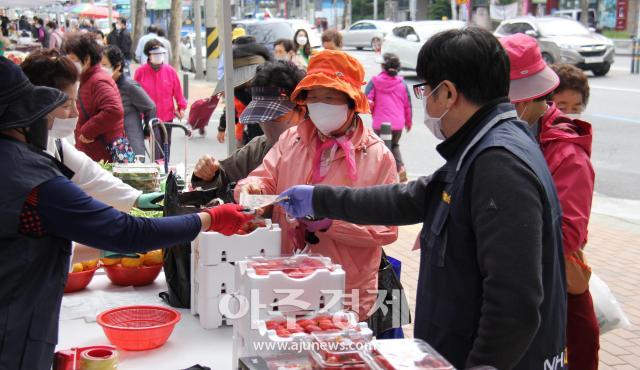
491 288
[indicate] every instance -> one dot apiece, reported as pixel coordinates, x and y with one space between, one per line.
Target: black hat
22 103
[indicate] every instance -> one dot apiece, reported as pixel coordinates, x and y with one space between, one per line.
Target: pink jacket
391 102
163 86
356 248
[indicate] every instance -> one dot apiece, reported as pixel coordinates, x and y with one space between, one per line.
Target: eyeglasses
418 90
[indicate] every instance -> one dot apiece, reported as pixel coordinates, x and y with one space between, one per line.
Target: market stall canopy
25 3
93 11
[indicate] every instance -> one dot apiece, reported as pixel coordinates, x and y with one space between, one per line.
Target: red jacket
100 98
566 145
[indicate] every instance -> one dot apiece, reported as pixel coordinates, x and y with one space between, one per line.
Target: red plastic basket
138 328
79 280
136 276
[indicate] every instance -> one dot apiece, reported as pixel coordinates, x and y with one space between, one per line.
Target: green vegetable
106 165
148 214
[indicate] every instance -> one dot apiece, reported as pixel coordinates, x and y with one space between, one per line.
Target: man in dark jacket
124 40
491 288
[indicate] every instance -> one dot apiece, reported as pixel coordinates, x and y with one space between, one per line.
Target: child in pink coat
390 100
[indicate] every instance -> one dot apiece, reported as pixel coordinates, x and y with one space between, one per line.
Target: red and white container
288 333
343 351
213 276
294 285
405 354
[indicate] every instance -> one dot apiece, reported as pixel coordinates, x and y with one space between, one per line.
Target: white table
189 344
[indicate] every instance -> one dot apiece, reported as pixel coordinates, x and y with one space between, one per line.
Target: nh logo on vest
557 362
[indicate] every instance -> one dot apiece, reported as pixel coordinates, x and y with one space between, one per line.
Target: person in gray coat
135 101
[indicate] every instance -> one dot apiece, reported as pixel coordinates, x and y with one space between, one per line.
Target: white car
188 52
366 34
406 39
312 31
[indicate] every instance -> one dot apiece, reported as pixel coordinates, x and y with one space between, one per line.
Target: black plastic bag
177 259
393 311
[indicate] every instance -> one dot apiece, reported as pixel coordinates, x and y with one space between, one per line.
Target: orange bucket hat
335 70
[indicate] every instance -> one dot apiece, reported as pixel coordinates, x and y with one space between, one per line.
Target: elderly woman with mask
162 84
332 147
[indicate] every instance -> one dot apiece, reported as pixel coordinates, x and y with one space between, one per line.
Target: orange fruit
88 265
77 267
110 261
152 258
131 262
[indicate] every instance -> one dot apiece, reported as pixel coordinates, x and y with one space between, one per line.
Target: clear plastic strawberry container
405 354
295 267
336 322
341 350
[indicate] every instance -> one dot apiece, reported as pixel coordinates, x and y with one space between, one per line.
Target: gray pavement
613 110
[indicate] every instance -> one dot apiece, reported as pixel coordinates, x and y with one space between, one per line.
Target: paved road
613 109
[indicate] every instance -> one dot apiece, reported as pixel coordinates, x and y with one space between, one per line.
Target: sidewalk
613 252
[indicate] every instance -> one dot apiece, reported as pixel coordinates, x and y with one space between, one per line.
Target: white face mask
156 58
108 70
434 123
301 40
328 117
78 66
574 115
63 127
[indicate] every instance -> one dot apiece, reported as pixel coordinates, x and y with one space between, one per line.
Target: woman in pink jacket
162 84
331 147
391 103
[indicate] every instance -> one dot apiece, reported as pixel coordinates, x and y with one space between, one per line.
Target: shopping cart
163 146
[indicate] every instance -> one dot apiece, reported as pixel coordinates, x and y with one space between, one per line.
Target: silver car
564 41
365 34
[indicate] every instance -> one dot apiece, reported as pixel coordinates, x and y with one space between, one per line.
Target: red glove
227 218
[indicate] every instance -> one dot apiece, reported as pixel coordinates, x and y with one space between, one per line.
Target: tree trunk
174 32
346 18
584 11
138 31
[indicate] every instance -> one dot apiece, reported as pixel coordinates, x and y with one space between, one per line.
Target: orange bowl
79 280
138 328
135 276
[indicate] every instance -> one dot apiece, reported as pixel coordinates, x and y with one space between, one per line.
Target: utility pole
212 39
346 15
375 9
198 41
225 21
110 15
174 32
303 9
412 10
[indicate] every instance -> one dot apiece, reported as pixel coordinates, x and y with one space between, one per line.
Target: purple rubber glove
298 201
313 225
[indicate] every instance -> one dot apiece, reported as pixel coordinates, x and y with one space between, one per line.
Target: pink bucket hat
531 78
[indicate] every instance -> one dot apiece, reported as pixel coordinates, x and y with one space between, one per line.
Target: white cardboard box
213 271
